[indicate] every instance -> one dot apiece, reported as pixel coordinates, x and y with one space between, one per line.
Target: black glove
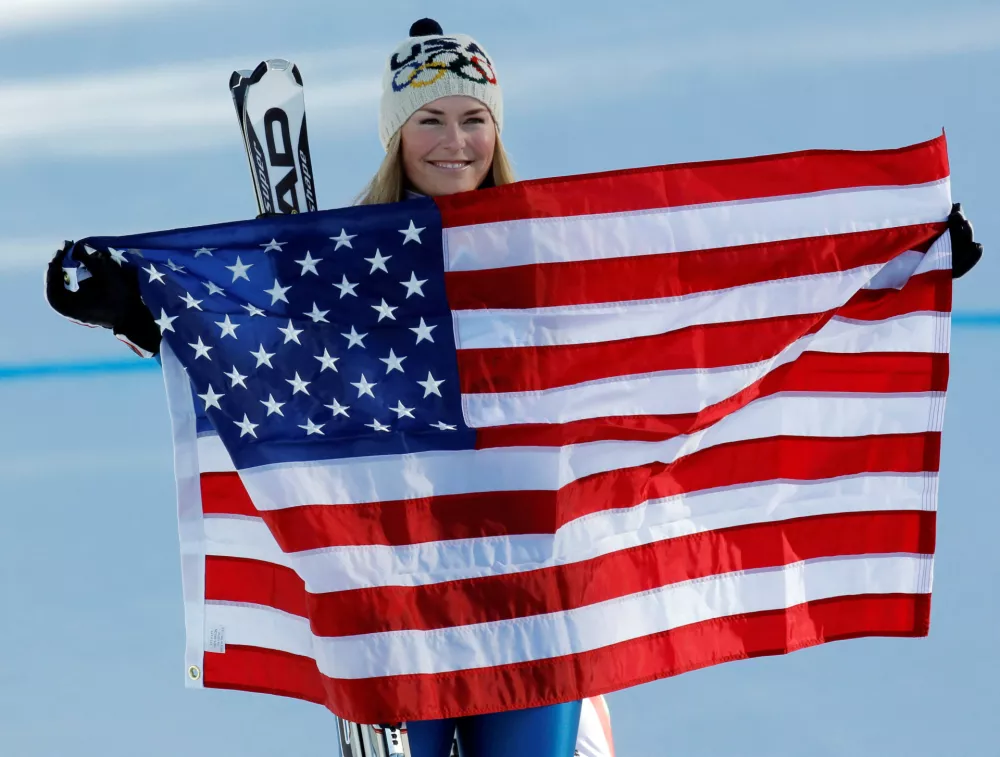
109 297
965 250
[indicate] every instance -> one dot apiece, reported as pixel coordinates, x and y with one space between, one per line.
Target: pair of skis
270 105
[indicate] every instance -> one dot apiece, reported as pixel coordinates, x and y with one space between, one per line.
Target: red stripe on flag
697 183
235 579
871 372
484 514
224 494
264 671
568 678
676 274
565 587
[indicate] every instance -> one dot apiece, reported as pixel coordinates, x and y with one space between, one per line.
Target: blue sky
115 117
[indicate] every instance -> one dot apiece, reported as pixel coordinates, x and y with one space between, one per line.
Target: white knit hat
429 65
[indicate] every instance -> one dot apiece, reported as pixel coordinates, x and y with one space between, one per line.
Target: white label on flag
215 639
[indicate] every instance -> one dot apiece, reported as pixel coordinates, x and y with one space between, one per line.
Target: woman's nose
453 138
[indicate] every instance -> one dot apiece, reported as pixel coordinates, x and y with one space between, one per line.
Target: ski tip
238 76
258 72
273 64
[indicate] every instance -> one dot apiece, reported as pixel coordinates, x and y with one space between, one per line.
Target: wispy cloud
164 109
28 15
185 107
789 49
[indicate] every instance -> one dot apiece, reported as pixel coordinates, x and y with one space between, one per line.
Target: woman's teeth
449 166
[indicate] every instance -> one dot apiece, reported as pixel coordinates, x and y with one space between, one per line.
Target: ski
270 105
238 82
372 740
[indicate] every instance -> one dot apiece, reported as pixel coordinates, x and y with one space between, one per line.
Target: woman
440 120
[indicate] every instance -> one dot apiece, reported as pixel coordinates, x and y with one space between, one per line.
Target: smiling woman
440 119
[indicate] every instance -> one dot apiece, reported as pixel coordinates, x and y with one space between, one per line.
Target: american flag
544 441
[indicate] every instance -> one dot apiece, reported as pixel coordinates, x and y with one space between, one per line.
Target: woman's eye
429 121
476 120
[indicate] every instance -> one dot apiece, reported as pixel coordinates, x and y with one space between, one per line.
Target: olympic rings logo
428 62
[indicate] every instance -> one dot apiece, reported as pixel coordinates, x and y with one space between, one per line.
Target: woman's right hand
88 286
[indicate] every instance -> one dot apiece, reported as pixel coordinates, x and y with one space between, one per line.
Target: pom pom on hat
425 27
429 65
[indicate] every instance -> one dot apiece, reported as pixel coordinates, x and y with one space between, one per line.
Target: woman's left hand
965 250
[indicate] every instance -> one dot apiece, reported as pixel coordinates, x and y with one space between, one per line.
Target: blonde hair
389 182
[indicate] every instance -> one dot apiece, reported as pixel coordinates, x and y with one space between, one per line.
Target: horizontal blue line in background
134 364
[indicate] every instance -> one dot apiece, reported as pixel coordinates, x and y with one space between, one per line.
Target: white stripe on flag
573 631
602 533
693 227
243 537
605 322
424 474
689 391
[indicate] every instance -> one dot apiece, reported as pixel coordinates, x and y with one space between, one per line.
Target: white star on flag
272 245
228 327
165 322
253 310
441 425
354 338
338 409
154 275
277 292
205 251
318 315
212 287
174 267
423 331
401 411
378 262
346 287
116 255
246 427
190 301
393 363
291 333
236 377
431 386
312 428
298 385
344 240
211 398
200 350
384 311
413 286
263 358
272 406
308 263
239 269
377 426
327 361
364 387
412 234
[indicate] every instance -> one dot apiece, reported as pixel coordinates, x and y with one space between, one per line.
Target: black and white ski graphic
270 103
238 89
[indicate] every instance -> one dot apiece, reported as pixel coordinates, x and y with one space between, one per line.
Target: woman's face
448 145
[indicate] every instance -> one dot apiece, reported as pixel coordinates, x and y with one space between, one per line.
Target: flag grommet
194 672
